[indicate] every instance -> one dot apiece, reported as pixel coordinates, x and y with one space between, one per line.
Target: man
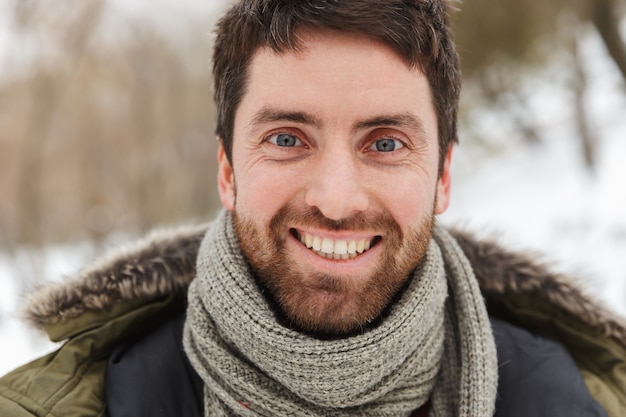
325 287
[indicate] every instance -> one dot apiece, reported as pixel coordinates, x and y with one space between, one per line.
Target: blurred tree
491 33
606 16
500 43
46 92
110 123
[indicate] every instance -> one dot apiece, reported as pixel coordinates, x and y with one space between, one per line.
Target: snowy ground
537 198
541 197
531 196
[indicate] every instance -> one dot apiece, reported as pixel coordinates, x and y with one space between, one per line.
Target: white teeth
317 243
352 247
307 239
341 247
327 245
360 246
335 249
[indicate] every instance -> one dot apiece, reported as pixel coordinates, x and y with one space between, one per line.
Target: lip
355 265
342 235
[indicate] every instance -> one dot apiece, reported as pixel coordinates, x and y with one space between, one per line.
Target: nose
337 188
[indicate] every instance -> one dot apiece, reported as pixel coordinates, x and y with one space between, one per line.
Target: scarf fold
435 344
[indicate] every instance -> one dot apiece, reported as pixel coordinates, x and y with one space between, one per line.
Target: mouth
337 249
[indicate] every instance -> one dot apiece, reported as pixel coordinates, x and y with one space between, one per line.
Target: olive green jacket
135 289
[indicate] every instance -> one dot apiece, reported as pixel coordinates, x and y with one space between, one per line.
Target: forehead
328 52
336 76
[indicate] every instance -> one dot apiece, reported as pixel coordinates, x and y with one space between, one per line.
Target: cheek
261 193
408 202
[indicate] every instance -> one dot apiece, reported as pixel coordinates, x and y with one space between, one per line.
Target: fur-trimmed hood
163 263
156 266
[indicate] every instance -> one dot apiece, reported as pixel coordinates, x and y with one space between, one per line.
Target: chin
332 312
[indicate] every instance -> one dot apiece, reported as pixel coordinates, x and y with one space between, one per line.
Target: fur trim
501 272
162 263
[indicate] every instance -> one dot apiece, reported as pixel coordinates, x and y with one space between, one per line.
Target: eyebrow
268 115
404 120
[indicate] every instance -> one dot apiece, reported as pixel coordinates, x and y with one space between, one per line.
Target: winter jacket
537 377
129 298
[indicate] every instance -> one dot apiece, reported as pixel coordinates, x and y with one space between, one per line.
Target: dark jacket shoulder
537 377
520 289
151 376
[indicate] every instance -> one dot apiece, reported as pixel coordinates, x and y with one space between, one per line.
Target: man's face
333 183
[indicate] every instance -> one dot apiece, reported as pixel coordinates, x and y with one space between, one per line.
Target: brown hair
418 30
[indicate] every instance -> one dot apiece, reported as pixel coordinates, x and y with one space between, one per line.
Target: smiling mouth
338 249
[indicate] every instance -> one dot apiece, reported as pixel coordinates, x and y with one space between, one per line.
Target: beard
319 303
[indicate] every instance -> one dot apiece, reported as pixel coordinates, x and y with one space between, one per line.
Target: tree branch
605 17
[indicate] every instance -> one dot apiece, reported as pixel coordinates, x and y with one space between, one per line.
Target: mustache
289 214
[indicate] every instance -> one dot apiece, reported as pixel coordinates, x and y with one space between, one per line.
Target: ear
443 184
225 179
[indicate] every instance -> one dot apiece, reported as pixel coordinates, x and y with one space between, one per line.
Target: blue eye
386 145
285 140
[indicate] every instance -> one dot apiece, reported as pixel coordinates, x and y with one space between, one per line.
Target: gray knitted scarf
435 345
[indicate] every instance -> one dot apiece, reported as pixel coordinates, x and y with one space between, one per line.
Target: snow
540 197
537 197
19 343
